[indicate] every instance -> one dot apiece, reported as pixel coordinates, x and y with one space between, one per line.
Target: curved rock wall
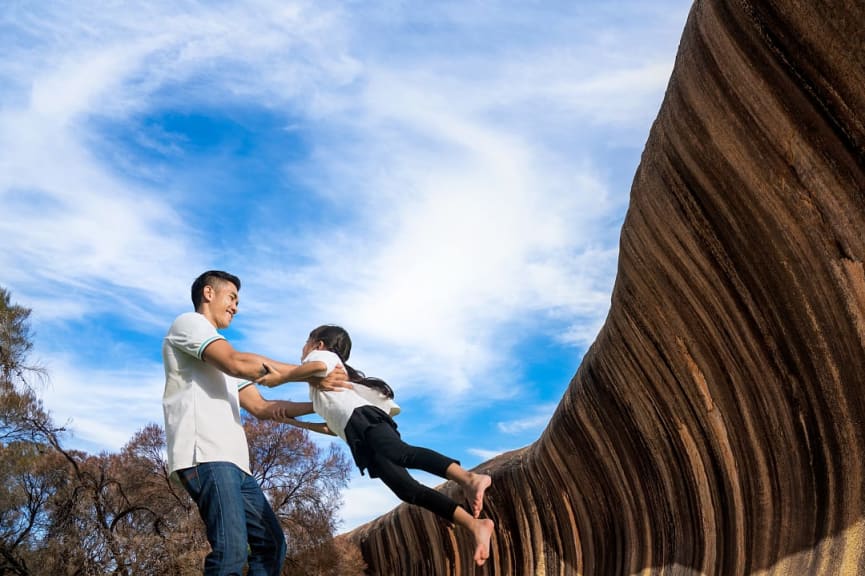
716 424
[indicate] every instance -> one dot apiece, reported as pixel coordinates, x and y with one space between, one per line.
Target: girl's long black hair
337 340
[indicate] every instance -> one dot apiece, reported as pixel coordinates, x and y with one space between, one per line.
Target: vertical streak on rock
707 506
716 424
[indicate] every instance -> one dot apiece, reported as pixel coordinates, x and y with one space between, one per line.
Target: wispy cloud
77 63
450 185
102 408
536 420
366 498
486 454
465 220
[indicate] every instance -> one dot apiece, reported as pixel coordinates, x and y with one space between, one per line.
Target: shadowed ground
716 424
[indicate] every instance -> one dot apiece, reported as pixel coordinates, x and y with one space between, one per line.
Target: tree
118 514
121 514
24 494
27 475
22 416
15 341
162 530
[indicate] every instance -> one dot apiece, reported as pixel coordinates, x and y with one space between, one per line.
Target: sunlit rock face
716 424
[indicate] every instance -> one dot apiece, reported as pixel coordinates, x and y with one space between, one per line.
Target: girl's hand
270 376
323 428
319 427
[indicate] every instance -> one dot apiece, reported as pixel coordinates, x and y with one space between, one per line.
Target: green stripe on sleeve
206 343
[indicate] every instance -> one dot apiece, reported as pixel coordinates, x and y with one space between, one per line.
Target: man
207 447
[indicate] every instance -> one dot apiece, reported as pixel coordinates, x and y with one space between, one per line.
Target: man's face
223 302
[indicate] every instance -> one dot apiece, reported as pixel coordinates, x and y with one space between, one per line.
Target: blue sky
447 180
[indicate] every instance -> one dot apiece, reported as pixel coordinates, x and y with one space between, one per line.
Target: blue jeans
241 526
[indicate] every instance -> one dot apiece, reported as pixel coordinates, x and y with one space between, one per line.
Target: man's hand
336 381
270 376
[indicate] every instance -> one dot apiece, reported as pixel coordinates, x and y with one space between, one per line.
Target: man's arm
267 372
253 402
223 356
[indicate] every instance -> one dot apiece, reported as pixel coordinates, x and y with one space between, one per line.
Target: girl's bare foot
474 492
482 531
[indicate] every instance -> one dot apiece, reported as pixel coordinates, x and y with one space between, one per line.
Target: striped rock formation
716 424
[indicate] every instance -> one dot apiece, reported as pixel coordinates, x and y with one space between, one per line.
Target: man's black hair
211 278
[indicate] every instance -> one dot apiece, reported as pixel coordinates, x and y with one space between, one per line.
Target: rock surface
716 424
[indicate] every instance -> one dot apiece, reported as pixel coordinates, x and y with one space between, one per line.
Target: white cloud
484 233
465 222
364 500
485 454
68 218
456 166
536 420
69 221
103 408
480 230
367 498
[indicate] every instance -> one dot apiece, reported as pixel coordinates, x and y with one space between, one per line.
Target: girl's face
310 346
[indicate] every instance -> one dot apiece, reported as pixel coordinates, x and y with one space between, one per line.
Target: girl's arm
293 373
280 373
319 427
279 410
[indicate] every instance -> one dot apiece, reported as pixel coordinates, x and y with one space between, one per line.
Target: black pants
388 457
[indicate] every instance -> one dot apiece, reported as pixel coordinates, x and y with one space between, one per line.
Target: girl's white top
336 407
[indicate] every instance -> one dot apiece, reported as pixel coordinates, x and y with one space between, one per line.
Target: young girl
362 417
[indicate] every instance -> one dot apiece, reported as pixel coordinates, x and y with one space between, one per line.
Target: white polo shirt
200 403
336 407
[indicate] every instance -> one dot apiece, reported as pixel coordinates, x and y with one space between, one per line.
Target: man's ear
207 293
319 345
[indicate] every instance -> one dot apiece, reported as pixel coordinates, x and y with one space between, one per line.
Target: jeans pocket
189 479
